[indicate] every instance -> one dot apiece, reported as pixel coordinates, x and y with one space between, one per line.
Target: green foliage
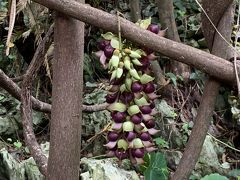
214 176
155 166
3 10
17 144
188 20
234 173
88 69
161 143
174 78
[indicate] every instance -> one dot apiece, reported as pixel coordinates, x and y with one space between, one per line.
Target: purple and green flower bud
108 51
154 28
131 97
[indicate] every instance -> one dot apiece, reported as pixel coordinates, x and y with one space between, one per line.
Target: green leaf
144 166
1 97
172 77
161 142
157 168
17 144
234 173
214 176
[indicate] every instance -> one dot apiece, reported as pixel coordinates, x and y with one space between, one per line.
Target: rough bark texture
199 59
167 20
135 10
215 16
26 103
206 108
66 116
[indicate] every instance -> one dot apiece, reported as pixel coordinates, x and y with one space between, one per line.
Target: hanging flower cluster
131 96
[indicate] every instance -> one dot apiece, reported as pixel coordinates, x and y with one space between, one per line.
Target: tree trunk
206 108
135 10
65 129
167 20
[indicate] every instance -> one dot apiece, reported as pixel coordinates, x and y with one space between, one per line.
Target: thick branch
13 89
206 108
26 105
215 66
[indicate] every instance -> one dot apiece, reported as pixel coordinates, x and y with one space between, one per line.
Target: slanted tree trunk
65 129
202 122
167 20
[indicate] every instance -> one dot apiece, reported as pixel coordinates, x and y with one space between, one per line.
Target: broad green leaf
157 168
214 176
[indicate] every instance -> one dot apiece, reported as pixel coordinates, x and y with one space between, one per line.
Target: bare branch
26 104
13 89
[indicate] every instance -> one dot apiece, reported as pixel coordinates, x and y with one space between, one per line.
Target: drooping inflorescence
131 96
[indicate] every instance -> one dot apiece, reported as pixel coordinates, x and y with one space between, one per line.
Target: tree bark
167 20
66 116
135 10
206 108
213 65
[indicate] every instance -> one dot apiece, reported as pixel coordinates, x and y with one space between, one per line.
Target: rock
8 126
208 161
11 169
10 118
171 131
105 169
173 158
